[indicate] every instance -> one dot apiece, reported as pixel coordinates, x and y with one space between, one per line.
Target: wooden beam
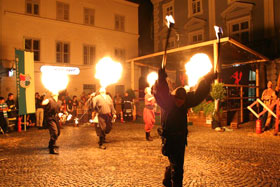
179 49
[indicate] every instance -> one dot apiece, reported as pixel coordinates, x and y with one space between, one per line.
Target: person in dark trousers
52 108
4 121
174 123
103 104
11 106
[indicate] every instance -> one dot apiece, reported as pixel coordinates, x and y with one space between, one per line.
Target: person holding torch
174 122
54 82
107 72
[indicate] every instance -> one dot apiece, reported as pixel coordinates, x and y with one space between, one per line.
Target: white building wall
16 25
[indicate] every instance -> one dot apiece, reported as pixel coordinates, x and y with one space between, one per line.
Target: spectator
128 107
69 106
39 110
75 104
11 106
4 121
118 100
84 109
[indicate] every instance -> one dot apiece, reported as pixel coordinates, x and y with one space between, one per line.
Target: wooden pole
258 84
132 75
215 48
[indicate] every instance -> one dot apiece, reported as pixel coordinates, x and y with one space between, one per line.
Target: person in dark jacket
52 108
174 123
11 106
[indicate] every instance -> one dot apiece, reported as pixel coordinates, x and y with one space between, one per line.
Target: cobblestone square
236 158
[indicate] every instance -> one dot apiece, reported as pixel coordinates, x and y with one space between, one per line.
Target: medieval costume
268 97
149 113
104 106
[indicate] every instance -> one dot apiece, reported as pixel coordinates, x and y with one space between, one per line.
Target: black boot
53 151
100 143
148 137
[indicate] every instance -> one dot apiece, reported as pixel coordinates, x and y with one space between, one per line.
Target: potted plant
218 94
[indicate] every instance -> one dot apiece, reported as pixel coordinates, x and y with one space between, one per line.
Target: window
62 52
119 23
196 37
88 16
167 9
120 54
89 88
252 91
240 30
195 7
33 46
89 54
62 11
32 7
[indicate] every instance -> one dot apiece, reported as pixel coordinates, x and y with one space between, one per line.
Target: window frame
62 17
190 5
89 60
120 54
32 47
62 52
89 20
32 2
121 26
165 12
196 33
239 21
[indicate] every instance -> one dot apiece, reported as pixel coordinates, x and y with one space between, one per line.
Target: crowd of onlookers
79 108
8 112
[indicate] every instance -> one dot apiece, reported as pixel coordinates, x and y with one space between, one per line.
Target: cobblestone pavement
237 158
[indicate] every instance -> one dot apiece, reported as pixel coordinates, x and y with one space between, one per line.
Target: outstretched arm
161 91
203 89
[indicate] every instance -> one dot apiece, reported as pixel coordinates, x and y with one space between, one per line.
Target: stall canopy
231 53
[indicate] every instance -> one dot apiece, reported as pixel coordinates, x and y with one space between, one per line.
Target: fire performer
104 106
54 82
52 108
174 122
149 113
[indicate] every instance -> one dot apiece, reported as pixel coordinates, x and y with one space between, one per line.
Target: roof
231 53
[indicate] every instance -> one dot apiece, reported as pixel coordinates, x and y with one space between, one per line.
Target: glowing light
169 20
151 78
198 66
55 81
108 72
69 117
61 69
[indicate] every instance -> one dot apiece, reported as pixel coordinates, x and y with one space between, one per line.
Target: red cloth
149 113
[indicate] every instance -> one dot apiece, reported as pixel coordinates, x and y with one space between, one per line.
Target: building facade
255 23
68 33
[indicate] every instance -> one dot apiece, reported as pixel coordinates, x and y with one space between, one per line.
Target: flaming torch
198 66
151 78
170 24
108 71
